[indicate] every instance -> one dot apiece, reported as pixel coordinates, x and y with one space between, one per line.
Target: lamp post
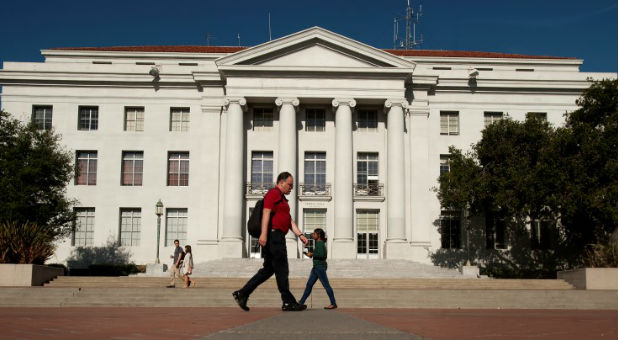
467 222
159 212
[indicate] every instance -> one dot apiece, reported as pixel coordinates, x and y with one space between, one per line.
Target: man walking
175 270
274 251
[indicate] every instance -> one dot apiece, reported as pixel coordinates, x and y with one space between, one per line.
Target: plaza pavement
270 323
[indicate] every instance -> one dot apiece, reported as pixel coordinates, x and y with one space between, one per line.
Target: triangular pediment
315 49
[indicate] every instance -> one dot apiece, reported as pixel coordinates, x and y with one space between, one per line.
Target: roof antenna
270 36
208 37
238 36
412 19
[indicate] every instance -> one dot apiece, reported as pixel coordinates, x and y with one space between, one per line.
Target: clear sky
582 29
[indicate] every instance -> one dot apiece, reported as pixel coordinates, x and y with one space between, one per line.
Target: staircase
357 284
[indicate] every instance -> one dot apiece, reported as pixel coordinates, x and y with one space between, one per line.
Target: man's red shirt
281 219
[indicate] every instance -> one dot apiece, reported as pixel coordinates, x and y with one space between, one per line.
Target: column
343 246
233 203
396 245
287 158
424 205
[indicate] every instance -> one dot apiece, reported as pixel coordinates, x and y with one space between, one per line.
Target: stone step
336 268
337 283
350 297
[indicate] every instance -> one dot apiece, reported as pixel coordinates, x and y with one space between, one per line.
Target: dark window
367 119
88 118
315 120
42 117
450 229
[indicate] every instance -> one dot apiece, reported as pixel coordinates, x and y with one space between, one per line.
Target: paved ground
232 323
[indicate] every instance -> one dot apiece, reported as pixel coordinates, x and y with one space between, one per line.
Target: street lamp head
159 208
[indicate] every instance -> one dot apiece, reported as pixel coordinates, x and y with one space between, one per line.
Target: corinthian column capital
287 100
344 101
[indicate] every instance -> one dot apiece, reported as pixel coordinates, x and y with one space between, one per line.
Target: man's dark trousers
275 262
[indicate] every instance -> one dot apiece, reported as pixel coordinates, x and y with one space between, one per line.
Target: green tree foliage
522 171
34 172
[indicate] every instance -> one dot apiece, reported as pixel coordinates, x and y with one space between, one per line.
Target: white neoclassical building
207 129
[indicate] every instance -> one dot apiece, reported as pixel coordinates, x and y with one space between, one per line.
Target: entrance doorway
367 234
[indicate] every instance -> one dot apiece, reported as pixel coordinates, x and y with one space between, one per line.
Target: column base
230 248
397 249
420 251
344 249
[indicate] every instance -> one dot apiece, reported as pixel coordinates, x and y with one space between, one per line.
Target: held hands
303 238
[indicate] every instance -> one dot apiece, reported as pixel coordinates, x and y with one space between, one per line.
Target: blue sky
582 29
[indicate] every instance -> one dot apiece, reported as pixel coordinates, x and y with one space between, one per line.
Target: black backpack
254 225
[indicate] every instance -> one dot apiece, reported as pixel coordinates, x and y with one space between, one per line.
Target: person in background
187 267
319 269
175 268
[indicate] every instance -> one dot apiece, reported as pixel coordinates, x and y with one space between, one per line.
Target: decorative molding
287 100
344 101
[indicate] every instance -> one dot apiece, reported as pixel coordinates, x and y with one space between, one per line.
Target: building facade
206 130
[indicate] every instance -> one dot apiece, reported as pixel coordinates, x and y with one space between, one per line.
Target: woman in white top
187 267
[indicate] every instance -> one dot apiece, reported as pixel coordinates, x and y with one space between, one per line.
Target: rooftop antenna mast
270 36
208 37
412 19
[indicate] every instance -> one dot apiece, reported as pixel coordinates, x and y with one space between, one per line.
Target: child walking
319 269
187 267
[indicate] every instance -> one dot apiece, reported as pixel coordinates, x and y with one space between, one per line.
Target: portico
317 67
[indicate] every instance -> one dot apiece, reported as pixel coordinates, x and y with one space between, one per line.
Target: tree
34 172
587 147
528 171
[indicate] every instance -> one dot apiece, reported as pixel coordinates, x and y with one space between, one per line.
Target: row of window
541 232
449 120
315 169
367 230
129 226
132 168
315 119
262 176
88 118
130 222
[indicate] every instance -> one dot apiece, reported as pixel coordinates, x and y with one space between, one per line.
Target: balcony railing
314 190
371 189
257 189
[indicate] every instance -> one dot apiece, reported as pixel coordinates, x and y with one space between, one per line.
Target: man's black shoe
170 286
293 307
241 300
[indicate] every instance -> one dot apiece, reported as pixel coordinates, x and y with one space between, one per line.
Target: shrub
27 242
603 255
